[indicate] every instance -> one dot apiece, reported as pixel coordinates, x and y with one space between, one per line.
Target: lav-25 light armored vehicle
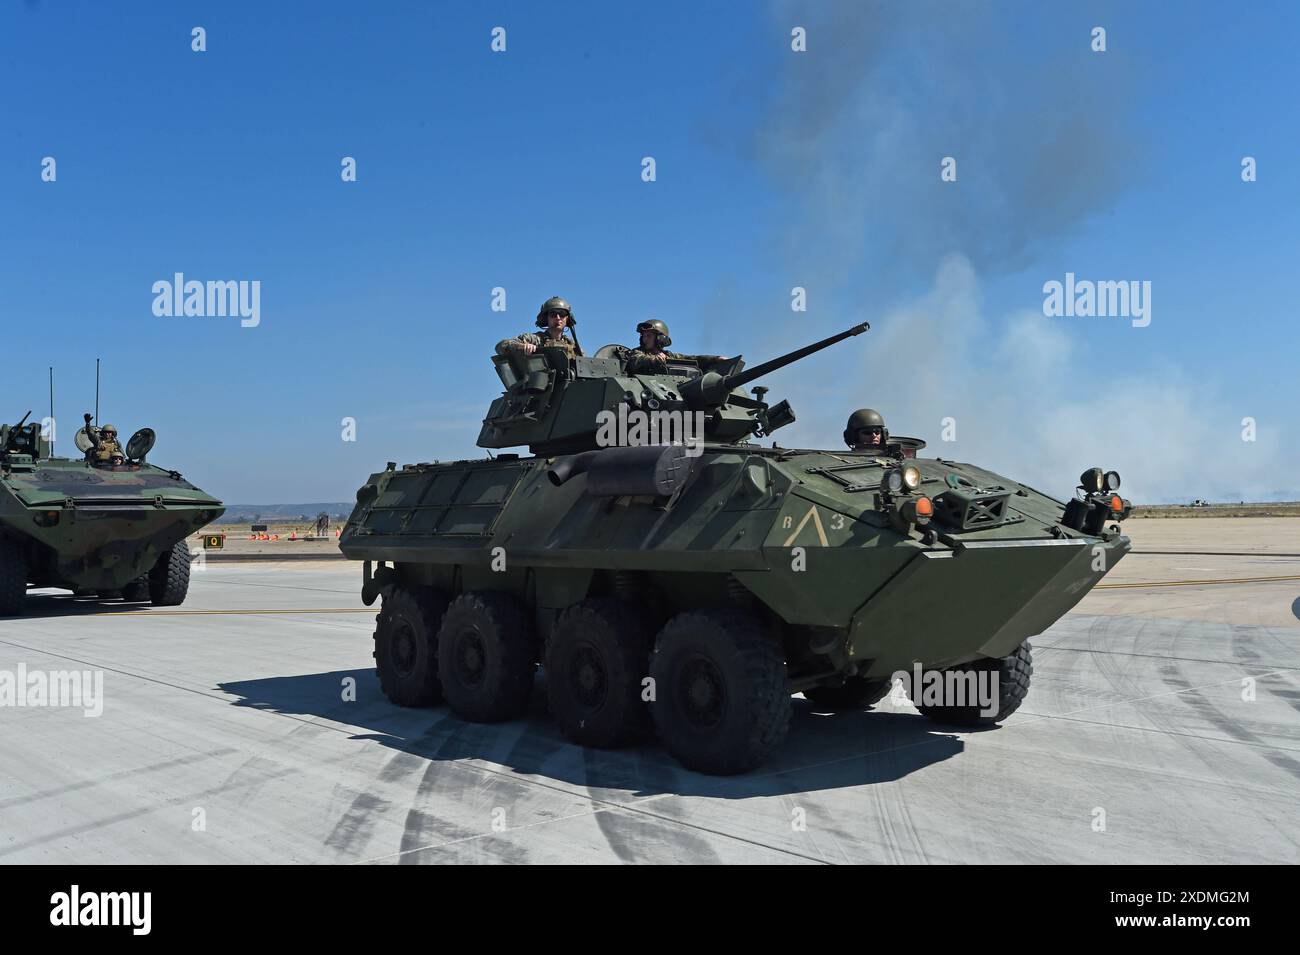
694 593
111 529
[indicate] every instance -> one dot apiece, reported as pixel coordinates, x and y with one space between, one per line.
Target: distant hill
264 513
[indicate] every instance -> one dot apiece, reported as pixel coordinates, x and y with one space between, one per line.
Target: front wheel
1010 685
722 703
169 581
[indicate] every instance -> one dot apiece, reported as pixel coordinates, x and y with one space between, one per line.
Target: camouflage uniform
564 343
638 361
102 450
108 450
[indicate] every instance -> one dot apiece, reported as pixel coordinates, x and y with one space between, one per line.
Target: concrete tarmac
1162 726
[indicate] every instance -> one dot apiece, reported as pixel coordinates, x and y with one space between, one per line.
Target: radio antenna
96 392
51 434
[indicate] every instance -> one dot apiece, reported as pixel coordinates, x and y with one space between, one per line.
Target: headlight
892 481
1112 480
1092 480
912 477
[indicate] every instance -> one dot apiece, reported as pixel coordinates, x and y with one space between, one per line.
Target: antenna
96 392
51 411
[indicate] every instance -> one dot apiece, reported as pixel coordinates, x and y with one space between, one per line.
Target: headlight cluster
1098 502
895 480
1094 481
896 486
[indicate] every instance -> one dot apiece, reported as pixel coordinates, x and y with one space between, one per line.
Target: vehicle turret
554 403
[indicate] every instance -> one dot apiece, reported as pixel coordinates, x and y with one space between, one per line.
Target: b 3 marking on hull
814 516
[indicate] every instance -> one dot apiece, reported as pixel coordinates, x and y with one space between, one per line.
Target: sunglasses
557 314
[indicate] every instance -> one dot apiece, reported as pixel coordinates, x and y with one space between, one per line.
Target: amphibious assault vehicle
108 529
692 588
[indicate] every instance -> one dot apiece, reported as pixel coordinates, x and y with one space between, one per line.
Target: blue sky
775 169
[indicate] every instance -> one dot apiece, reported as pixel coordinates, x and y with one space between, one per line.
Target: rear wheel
855 693
137 590
487 656
13 579
1011 675
406 645
596 660
722 704
169 581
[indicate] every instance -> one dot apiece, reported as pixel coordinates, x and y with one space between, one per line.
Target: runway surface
1163 725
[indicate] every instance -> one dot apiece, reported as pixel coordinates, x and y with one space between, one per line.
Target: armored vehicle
114 529
693 587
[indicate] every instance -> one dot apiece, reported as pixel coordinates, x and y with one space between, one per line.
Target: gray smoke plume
852 134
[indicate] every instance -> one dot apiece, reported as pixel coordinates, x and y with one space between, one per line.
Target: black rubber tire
856 693
169 581
13 579
406 645
1013 674
487 657
597 657
722 702
137 591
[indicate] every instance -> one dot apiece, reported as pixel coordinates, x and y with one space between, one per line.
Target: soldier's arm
643 363
91 436
513 344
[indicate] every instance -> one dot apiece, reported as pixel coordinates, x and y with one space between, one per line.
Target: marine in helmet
866 431
553 318
104 449
651 356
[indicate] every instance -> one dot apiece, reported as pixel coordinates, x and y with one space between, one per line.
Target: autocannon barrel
758 371
712 388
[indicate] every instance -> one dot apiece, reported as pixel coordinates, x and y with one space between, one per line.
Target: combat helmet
865 418
662 338
552 304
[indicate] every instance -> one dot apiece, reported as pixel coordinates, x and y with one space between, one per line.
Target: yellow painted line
1195 583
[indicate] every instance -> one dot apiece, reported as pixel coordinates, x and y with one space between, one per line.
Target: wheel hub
702 694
